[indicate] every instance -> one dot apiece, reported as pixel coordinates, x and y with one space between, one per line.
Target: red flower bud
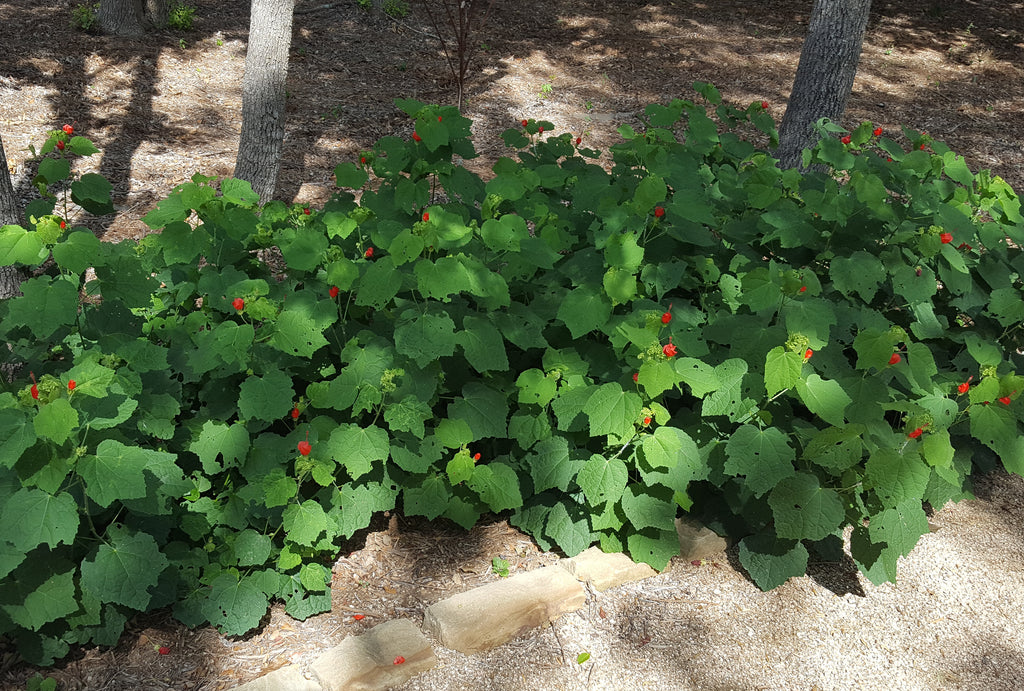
877 132
305 448
333 292
636 376
1005 400
306 211
476 456
524 123
808 353
916 433
368 253
416 137
658 212
946 238
359 617
667 316
68 130
846 139
34 391
362 160
63 225
60 145
764 105
647 421
669 349
295 413
426 216
921 147
72 385
803 289
439 118
238 304
540 130
895 359
164 650
399 660
578 140
965 386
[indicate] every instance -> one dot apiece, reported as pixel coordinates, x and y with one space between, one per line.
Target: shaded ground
167 106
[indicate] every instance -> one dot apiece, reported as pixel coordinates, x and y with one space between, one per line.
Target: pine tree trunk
10 276
824 77
121 17
263 95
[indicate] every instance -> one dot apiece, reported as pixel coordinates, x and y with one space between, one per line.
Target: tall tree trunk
824 77
10 214
156 13
121 17
263 95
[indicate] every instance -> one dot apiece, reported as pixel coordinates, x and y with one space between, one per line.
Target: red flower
362 160
578 140
476 456
439 118
164 650
63 225
426 216
647 421
68 130
845 140
1005 400
877 132
540 130
238 304
658 212
305 448
808 353
306 211
669 349
35 392
368 253
764 105
399 660
524 123
916 433
946 238
295 413
72 385
416 137
895 359
963 246
333 292
921 147
60 145
359 617
667 316
963 387
636 376
803 289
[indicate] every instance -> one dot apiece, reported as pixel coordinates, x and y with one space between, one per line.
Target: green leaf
900 526
824 398
551 466
657 376
504 234
573 536
654 547
484 409
763 456
92 191
265 398
234 606
483 345
304 522
52 599
78 251
430 499
408 415
297 333
117 471
669 446
896 477
252 548
536 387
303 250
350 175
836 448
649 192
47 305
612 411
356 448
859 273
31 517
803 510
699 376
602 479
20 246
728 398
584 309
497 485
228 442
425 337
124 569
378 285
56 420
772 561
647 511
782 370
460 467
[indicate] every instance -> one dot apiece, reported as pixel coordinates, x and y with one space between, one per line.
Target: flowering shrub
609 364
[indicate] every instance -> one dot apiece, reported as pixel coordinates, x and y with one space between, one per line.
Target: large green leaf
31 517
357 448
803 509
613 411
602 479
764 456
234 605
772 561
124 569
825 398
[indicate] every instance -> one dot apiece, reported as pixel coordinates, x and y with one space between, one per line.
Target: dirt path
166 107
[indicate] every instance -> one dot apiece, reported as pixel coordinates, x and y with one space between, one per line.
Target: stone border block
288 678
497 612
696 541
606 570
367 662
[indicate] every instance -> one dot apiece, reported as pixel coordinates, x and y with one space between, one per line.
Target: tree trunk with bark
156 13
121 17
263 95
824 76
10 214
